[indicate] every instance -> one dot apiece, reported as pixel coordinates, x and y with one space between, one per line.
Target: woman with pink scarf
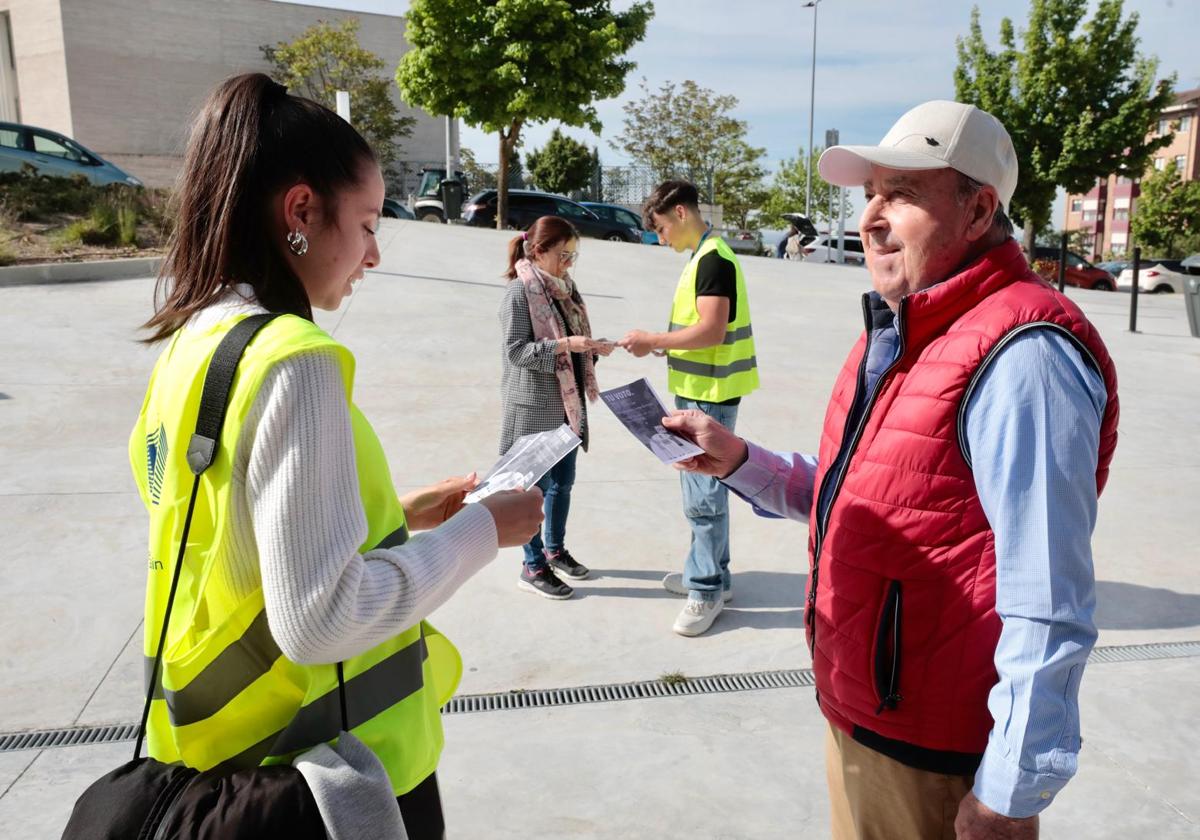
548 357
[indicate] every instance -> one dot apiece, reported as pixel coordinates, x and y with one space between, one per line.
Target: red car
1080 272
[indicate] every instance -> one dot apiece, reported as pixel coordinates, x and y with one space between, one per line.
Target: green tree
500 64
1166 221
689 132
787 193
482 176
1078 105
327 58
562 165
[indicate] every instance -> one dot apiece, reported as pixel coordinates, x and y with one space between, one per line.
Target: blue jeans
706 506
556 503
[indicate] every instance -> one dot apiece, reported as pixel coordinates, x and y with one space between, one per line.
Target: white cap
933 135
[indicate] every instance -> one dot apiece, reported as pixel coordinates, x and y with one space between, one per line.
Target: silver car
52 154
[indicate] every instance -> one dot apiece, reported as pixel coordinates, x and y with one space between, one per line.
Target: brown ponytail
250 141
544 234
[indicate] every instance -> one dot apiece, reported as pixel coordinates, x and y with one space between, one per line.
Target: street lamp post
812 94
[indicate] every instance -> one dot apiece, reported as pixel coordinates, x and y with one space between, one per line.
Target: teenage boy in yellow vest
710 366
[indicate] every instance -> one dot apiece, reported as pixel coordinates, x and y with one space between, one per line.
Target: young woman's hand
517 513
430 506
576 343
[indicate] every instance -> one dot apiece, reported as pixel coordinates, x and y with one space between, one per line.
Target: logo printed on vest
156 462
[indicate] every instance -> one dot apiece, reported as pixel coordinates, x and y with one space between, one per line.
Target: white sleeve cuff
1008 789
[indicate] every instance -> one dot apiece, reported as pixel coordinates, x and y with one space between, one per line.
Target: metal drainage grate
43 738
644 690
546 697
1139 653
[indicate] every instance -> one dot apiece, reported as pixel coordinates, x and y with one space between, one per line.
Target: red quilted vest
902 593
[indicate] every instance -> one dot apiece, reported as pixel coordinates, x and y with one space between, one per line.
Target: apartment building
125 77
1104 213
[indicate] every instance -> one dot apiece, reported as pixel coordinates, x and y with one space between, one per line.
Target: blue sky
874 60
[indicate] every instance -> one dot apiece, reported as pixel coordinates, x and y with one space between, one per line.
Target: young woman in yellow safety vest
299 555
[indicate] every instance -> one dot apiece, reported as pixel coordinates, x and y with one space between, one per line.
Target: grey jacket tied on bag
352 790
530 395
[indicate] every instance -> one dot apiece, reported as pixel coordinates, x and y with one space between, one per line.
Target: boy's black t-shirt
717 277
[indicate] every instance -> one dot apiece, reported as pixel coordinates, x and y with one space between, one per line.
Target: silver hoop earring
297 242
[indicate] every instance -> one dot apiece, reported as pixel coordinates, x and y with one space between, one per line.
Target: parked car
1114 267
825 249
526 206
622 215
393 209
1157 276
1079 272
741 241
55 155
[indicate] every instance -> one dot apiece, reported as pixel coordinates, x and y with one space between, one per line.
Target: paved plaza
743 764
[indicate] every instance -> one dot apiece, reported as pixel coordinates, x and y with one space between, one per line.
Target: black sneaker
545 583
568 565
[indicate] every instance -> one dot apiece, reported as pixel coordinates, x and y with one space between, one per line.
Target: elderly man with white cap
951 502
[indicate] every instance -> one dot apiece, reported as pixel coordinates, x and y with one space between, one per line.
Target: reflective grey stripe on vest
731 336
234 669
367 694
223 679
711 371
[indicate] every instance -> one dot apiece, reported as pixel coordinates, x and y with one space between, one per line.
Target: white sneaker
697 616
673 583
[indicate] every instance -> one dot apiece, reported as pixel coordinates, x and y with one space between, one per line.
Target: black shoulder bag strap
202 449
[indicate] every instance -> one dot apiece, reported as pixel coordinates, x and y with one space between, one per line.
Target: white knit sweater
297 519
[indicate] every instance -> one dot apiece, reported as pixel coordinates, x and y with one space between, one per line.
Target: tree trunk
508 142
502 186
1027 240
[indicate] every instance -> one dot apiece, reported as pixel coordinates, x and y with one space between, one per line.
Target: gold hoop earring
297 242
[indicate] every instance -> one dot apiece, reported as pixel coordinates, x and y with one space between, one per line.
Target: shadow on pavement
1128 606
752 590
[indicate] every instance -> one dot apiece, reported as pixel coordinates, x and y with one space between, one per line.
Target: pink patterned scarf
541 290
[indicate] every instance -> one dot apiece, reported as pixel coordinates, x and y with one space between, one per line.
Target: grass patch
673 678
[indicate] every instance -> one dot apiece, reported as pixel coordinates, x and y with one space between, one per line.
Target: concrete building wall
37 42
126 77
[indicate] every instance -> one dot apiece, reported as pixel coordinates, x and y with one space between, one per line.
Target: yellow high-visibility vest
227 696
725 370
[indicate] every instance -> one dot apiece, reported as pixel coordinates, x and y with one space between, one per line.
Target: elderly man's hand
637 342
976 821
724 451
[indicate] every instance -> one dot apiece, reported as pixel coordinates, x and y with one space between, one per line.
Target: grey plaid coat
529 391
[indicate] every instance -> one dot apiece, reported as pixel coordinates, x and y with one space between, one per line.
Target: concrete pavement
424 331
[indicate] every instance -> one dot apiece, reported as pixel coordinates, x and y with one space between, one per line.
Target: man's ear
300 206
984 205
681 212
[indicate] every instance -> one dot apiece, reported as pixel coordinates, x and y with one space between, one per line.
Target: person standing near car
548 357
711 365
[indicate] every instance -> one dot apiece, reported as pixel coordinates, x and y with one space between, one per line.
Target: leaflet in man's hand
641 412
526 461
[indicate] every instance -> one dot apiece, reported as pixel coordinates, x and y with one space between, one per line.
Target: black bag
145 799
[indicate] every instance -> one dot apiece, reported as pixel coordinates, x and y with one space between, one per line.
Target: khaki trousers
874 797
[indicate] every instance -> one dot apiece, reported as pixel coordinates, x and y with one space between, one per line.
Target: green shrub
32 197
127 224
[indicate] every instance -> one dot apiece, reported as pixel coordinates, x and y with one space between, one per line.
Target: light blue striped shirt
1033 432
